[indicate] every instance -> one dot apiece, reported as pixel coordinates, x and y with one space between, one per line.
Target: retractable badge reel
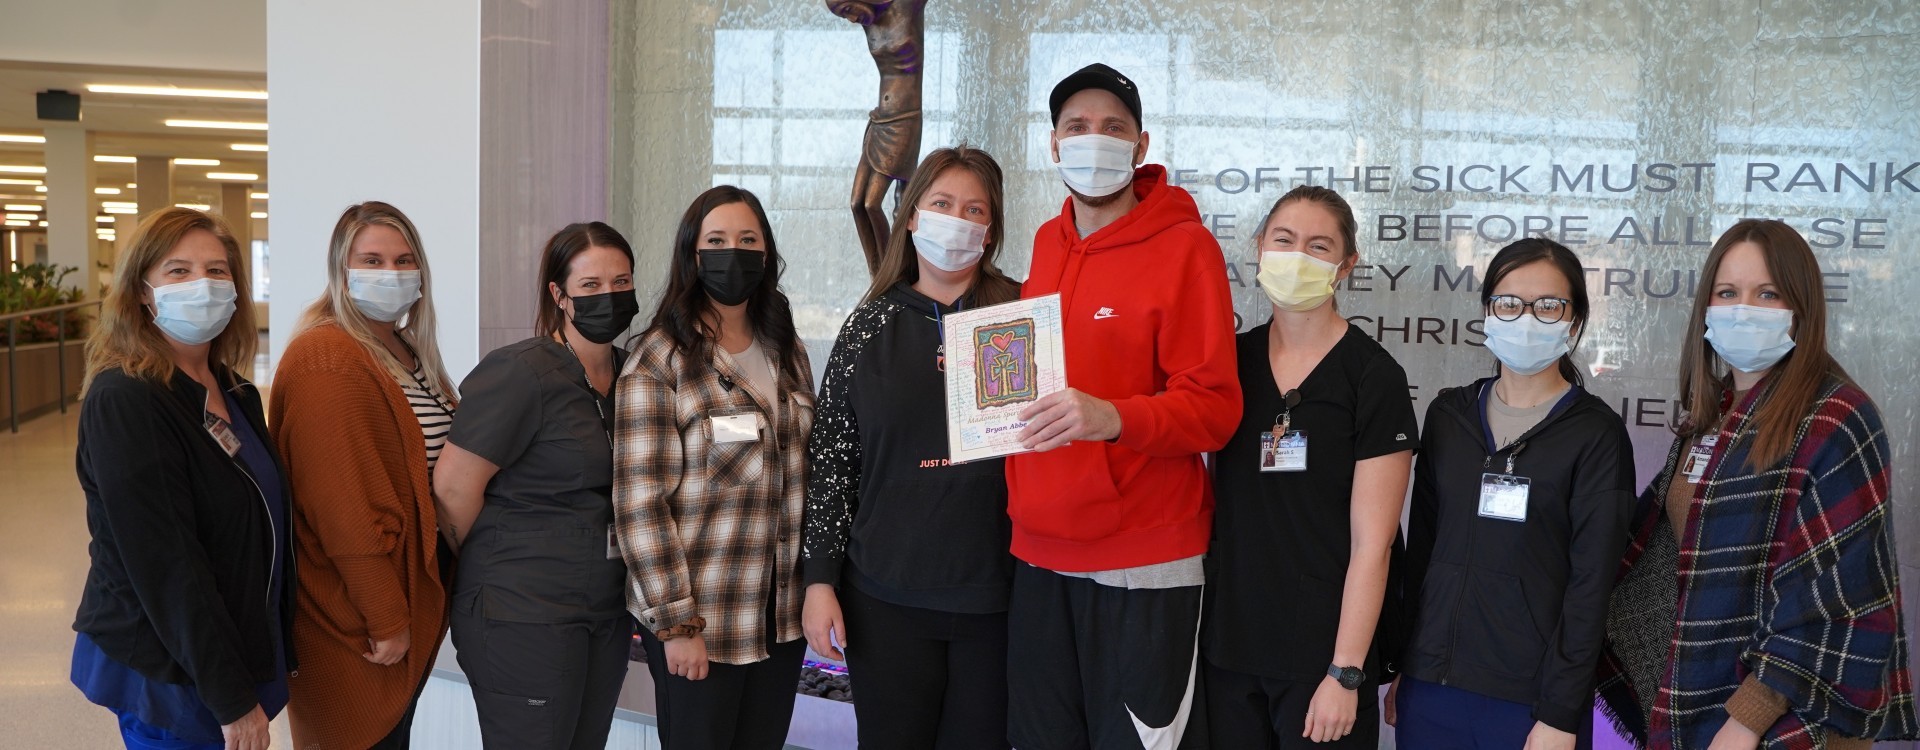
1284 448
1504 496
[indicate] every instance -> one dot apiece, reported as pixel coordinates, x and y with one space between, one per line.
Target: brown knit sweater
364 536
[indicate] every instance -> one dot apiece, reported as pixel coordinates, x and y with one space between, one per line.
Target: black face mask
603 317
730 276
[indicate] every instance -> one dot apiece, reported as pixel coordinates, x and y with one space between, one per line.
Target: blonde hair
336 306
125 337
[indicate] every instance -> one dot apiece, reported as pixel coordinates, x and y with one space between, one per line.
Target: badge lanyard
1504 495
1284 448
591 393
940 353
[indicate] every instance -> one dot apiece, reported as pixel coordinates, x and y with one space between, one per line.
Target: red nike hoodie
1148 326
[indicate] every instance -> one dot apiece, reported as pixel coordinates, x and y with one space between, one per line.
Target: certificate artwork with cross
1000 360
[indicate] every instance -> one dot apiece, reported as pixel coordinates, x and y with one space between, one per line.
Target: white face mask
193 312
1096 165
1749 338
947 243
382 295
1295 281
1526 345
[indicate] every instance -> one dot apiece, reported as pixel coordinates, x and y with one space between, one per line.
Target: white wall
192 34
376 100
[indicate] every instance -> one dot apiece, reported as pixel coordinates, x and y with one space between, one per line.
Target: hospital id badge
1283 451
613 544
1504 496
739 428
1698 457
222 434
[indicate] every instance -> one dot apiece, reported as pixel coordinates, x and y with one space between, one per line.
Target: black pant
925 679
401 736
1096 666
737 707
1249 711
543 685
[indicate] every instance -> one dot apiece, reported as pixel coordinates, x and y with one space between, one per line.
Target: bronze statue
896 37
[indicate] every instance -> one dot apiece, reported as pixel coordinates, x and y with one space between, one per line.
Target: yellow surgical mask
1296 281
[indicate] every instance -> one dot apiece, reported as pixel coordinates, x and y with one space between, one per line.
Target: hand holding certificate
1000 360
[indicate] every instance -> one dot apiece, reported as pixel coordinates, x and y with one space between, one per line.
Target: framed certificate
1000 360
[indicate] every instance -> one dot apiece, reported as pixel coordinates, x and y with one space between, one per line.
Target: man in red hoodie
1113 510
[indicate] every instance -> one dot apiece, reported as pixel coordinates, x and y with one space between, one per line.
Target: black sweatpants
543 686
1249 711
737 707
1095 666
925 679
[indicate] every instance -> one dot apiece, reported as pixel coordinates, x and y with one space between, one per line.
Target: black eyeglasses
1545 309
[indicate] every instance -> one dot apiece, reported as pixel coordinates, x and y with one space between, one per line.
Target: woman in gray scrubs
539 609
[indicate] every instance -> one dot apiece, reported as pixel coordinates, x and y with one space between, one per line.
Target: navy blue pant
140 735
1438 717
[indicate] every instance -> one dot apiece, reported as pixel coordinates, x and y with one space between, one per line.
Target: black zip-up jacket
917 531
1517 610
183 546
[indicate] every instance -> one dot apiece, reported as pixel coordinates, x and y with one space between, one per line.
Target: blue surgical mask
1749 338
383 295
193 312
1526 345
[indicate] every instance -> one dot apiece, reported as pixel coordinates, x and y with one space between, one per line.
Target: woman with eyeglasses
1520 505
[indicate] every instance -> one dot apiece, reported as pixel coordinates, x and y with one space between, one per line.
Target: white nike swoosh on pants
1168 737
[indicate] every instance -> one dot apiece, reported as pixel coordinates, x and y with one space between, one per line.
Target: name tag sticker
223 434
1698 457
1283 451
738 428
1504 496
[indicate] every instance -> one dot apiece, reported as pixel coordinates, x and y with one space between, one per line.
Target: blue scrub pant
140 735
1439 717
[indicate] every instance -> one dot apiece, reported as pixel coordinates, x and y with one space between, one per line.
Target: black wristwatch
1349 677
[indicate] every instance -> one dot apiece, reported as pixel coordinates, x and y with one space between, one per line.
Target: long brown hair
681 314
125 337
336 306
1795 380
900 262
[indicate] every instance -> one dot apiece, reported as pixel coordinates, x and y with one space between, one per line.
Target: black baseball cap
1096 76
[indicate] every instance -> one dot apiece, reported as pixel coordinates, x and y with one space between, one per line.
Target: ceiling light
23 216
216 124
43 223
259 214
115 159
260 147
108 88
132 186
17 181
24 207
106 191
103 220
120 210
248 176
119 204
21 169
7 138
197 162
194 206
14 223
39 188
259 196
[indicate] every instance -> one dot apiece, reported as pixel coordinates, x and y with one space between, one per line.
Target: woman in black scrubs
525 484
1311 485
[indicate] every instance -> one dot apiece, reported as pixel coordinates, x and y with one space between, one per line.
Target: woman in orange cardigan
361 407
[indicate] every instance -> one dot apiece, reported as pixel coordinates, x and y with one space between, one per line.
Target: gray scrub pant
543 686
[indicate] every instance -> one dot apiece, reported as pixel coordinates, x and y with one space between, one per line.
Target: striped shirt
432 409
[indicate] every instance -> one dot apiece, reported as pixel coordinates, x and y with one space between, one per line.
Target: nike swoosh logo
1168 737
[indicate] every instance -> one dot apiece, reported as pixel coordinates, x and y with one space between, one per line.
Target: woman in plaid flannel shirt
710 447
1765 539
